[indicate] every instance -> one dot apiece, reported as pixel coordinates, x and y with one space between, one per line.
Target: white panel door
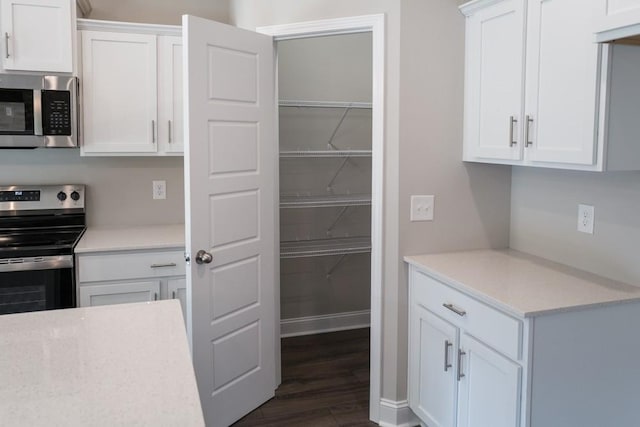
37 35
562 81
432 360
489 388
230 180
494 82
170 109
120 92
119 293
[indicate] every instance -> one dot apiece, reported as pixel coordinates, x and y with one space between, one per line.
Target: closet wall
325 182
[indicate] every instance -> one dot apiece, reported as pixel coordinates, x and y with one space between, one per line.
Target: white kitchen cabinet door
119 293
489 387
170 94
494 82
621 19
37 35
231 153
432 363
562 94
177 289
120 92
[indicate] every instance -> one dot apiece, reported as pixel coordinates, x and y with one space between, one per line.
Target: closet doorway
330 88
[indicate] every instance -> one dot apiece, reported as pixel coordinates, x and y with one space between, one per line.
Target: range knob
75 196
62 196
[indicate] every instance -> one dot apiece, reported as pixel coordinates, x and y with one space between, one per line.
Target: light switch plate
586 218
159 190
422 208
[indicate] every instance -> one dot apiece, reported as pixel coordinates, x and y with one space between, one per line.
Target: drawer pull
460 374
169 264
173 294
447 365
155 296
456 310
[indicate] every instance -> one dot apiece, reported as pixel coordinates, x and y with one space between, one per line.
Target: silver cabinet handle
527 123
173 294
6 44
169 264
203 257
512 122
460 354
153 131
456 310
447 365
155 296
170 139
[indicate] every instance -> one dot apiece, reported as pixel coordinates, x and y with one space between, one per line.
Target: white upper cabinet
562 69
37 35
132 90
170 128
494 79
621 19
119 88
538 91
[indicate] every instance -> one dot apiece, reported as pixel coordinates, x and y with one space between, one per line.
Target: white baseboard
396 414
326 323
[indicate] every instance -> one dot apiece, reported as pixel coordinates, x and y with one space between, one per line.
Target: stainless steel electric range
39 228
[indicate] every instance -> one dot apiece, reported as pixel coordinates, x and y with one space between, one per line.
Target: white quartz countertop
116 365
100 239
522 284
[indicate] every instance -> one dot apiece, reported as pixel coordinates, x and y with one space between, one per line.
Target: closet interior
324 89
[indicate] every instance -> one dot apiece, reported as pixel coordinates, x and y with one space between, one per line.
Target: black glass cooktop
27 243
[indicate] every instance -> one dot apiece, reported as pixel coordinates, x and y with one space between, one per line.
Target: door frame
375 24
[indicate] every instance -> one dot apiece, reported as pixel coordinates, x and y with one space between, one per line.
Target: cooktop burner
40 220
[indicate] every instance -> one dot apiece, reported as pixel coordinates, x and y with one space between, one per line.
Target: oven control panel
46 197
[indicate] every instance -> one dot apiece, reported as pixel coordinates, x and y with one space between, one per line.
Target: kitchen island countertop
126 364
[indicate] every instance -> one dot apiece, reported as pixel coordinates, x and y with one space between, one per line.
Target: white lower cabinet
119 293
476 364
489 387
119 277
454 379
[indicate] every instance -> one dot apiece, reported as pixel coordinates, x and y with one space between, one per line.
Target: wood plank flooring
325 383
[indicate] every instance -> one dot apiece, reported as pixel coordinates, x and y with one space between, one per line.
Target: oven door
36 284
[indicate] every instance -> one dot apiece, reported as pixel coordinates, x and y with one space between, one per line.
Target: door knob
203 257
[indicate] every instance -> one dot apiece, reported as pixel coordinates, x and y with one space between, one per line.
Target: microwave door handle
37 112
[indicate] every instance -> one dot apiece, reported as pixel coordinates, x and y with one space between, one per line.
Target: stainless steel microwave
38 111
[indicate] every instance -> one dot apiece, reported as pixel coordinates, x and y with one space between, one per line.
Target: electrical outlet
422 208
586 218
159 190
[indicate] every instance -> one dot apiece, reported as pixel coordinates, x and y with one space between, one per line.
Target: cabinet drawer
494 328
130 265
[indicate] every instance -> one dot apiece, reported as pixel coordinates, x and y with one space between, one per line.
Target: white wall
423 140
158 11
544 218
118 189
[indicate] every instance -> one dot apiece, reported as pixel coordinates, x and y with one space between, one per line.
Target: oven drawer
130 265
493 327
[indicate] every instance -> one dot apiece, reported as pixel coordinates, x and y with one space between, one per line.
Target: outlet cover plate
422 208
586 218
159 190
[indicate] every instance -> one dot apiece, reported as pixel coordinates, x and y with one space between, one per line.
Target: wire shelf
325 247
308 201
325 153
325 104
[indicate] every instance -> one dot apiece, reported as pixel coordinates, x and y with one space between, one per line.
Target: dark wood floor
325 382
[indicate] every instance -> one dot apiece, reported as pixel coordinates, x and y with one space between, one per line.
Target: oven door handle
36 263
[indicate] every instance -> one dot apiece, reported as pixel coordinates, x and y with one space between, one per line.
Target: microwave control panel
56 112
